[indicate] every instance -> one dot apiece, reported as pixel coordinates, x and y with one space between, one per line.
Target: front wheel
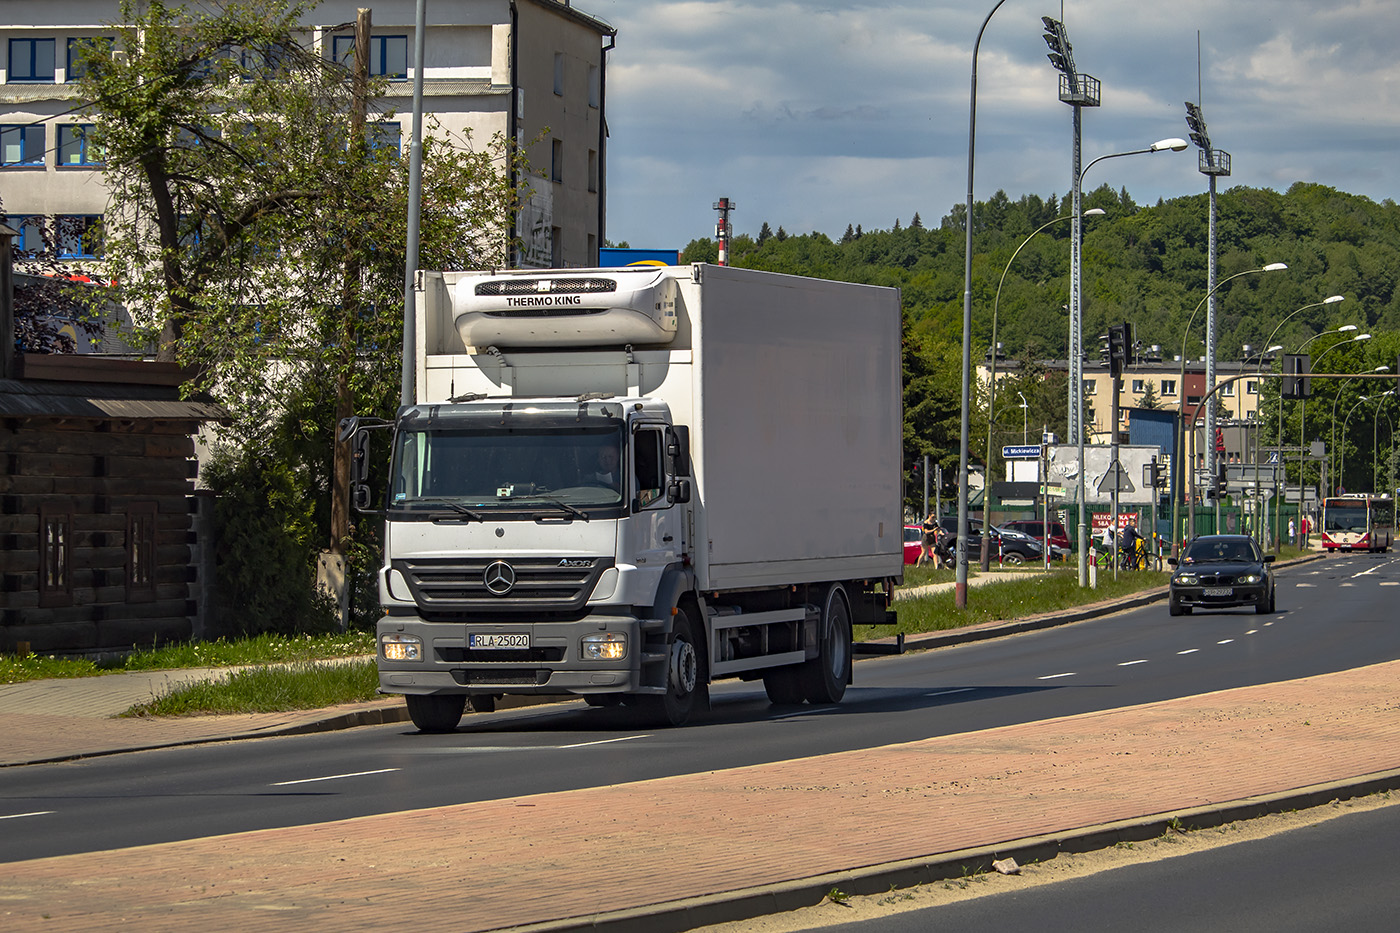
687 676
436 713
1013 559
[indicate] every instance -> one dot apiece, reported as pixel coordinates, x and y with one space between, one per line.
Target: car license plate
511 640
1217 591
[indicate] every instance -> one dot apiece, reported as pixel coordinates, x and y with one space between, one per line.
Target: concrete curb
748 903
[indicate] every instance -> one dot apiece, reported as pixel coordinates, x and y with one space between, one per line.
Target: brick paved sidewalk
542 858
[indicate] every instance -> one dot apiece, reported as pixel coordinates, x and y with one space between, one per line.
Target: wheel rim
684 667
836 642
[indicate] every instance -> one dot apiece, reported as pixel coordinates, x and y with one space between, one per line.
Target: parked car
1014 547
1036 529
913 543
1220 571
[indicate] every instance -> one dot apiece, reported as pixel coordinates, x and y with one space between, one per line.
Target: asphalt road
1332 615
1334 875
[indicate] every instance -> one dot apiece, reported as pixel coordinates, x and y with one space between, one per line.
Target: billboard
610 257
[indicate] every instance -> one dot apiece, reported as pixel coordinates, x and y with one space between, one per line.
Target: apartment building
521 68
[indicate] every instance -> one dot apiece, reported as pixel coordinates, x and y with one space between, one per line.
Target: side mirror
678 491
1268 558
359 457
1171 561
360 497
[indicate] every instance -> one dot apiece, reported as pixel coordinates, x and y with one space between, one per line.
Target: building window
55 556
594 86
384 135
141 552
559 73
1090 387
31 61
79 235
592 170
592 250
21 145
1251 388
556 247
77 48
1168 386
75 145
556 160
388 55
1228 389
1139 386
31 233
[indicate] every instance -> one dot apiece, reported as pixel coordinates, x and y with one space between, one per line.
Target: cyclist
1130 546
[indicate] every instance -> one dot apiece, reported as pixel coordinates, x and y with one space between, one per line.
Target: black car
1015 548
1220 571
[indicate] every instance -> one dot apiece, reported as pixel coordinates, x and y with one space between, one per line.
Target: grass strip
269 689
261 649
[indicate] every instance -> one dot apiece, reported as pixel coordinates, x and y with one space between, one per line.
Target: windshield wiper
568 509
456 507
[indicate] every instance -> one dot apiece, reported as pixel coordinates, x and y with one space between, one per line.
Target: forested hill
1147 265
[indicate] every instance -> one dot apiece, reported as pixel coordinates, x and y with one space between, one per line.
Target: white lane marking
944 693
1226 641
332 777
1347 583
1131 663
18 816
1369 570
1306 585
1253 631
1189 651
621 738
1054 676
1389 583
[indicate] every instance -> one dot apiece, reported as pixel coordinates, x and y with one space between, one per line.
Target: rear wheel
1012 558
436 713
687 678
783 686
824 678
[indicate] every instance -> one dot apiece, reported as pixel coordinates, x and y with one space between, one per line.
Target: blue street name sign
1021 451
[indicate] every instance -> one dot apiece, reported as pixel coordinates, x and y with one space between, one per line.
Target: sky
813 116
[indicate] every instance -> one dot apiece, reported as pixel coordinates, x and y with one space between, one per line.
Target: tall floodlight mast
1079 91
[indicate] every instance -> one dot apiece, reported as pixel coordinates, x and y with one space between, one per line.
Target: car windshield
1344 518
1205 550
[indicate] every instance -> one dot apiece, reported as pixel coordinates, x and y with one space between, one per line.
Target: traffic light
1222 486
1296 384
1120 348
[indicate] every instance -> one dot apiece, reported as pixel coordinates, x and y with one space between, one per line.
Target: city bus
1358 523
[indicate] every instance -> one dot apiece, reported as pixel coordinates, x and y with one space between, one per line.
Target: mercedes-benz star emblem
499 578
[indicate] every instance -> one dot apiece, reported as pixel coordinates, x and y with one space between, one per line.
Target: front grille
509 677
443 586
523 656
563 286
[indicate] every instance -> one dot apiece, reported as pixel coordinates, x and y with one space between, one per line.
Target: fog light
400 647
605 646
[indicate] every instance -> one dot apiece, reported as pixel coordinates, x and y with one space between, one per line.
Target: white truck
622 484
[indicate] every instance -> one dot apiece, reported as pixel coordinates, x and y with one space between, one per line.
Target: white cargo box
791 387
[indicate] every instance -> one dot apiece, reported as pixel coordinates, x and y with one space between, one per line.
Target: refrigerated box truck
623 484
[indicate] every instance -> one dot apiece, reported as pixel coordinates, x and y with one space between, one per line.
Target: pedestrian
1292 532
929 539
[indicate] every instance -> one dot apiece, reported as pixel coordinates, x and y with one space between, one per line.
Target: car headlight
604 646
401 647
1187 579
1251 578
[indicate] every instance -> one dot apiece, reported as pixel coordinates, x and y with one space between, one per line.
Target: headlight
400 647
1251 578
604 646
1187 579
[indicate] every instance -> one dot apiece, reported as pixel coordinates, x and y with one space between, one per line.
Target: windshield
1344 518
1217 549
489 467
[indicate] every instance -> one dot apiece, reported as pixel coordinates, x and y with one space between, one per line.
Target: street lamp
1332 424
1025 418
1258 421
1303 405
1347 420
960 584
1177 534
1076 347
986 558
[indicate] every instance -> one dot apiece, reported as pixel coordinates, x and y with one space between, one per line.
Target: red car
913 535
1036 530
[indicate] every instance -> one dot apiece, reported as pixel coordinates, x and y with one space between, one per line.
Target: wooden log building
97 498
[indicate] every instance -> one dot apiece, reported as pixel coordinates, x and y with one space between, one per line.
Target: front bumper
1240 594
552 665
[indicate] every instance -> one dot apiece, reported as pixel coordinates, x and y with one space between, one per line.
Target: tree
764 233
1149 398
259 224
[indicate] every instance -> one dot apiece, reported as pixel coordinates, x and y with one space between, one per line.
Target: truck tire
687 676
824 678
439 713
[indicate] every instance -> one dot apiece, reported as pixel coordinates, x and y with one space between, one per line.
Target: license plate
1217 591
500 641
